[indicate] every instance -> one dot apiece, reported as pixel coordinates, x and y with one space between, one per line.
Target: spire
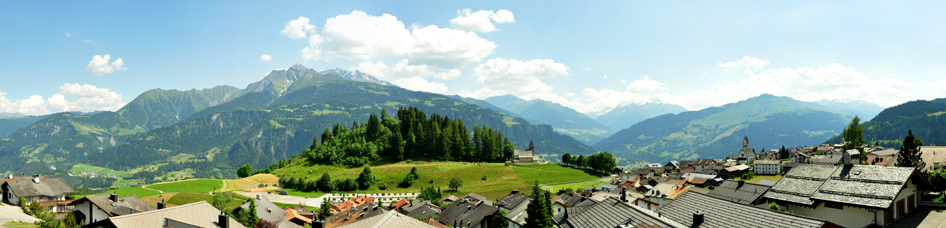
745 142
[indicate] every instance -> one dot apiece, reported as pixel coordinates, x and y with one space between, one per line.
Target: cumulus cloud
481 21
746 61
404 69
266 58
605 76
297 28
374 69
100 65
420 84
361 36
623 81
520 78
68 34
644 85
90 98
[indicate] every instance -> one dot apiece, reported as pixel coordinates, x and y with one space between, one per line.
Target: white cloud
644 85
403 69
419 84
361 36
265 58
623 81
90 98
520 78
68 34
746 61
605 76
298 28
90 41
705 72
939 88
374 69
100 65
481 21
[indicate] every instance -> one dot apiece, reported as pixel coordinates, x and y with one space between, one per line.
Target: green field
191 197
293 192
758 178
500 179
573 186
18 225
137 191
198 185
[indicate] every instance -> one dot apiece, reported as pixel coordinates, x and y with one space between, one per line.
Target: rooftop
200 214
739 192
722 213
863 185
612 212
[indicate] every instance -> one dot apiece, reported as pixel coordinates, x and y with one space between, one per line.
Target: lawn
251 182
293 192
573 186
137 191
758 178
191 197
283 205
198 185
18 225
500 179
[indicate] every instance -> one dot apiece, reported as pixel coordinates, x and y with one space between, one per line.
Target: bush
484 178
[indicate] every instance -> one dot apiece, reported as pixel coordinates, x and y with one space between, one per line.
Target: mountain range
890 126
863 109
210 132
630 113
563 119
768 121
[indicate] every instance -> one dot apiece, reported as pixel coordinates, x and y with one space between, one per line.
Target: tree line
409 135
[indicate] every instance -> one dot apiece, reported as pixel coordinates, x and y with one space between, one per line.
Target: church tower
531 147
745 142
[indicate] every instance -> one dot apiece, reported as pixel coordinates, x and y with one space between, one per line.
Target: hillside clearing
199 185
251 182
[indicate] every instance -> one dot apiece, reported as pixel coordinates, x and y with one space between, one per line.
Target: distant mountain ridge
866 110
357 76
768 121
563 119
924 117
630 113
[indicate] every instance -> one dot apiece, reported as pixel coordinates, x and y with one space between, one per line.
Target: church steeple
531 146
745 142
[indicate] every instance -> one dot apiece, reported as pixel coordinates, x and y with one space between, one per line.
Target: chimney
113 197
697 219
741 182
624 195
223 220
161 205
514 191
10 176
36 179
259 197
318 224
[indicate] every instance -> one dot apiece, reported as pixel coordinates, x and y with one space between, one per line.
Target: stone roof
199 214
267 210
416 204
768 182
129 204
388 219
23 186
475 197
358 213
567 199
744 193
424 211
722 213
737 168
612 212
863 185
469 212
512 200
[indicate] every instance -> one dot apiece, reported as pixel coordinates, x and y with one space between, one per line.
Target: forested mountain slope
925 118
769 121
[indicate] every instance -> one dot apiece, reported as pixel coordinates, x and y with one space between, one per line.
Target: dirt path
146 187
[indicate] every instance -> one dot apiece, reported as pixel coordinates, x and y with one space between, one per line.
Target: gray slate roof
388 219
469 212
424 211
512 200
129 204
612 212
267 210
732 192
864 185
722 213
414 205
200 214
23 186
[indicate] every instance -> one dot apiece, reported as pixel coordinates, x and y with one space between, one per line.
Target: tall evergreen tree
910 154
326 135
783 153
365 179
539 211
854 137
374 127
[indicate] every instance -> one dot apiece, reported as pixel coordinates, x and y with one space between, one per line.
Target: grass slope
199 185
500 179
251 182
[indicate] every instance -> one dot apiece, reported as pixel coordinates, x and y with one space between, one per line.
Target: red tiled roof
398 204
696 180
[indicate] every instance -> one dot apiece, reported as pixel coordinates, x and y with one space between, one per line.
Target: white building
48 192
101 207
768 167
746 155
849 195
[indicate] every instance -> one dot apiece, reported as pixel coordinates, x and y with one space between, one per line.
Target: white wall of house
772 169
96 214
13 199
556 209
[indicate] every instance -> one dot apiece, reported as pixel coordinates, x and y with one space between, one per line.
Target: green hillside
767 120
925 118
10 125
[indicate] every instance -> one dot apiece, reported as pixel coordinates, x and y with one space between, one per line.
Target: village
821 186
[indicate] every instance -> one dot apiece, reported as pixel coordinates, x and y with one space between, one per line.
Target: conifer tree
539 211
910 154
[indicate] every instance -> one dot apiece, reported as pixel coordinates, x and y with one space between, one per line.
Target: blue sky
694 54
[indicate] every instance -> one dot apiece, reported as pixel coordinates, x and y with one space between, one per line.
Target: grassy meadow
198 185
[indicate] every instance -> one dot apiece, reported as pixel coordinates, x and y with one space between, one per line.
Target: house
419 209
562 201
853 155
735 171
514 205
42 189
468 213
100 207
698 166
849 195
613 212
476 198
449 199
358 213
934 156
881 160
740 192
402 202
694 209
660 195
299 215
768 167
351 203
522 156
199 214
388 219
745 155
799 157
267 210
672 167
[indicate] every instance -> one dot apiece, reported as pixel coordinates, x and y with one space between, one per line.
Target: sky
587 55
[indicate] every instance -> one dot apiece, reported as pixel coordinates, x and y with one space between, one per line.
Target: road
9 213
316 202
